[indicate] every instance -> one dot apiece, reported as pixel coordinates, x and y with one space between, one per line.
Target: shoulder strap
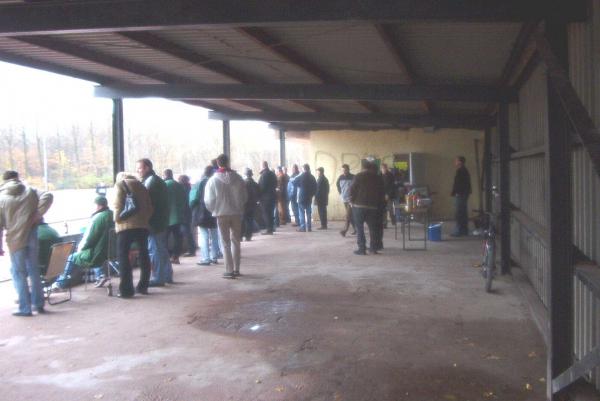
126 188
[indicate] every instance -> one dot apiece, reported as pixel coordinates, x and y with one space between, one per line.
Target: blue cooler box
434 232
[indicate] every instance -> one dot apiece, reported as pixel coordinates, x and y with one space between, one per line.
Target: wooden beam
359 92
468 122
51 17
387 36
268 41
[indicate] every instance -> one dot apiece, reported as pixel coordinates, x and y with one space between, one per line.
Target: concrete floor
307 321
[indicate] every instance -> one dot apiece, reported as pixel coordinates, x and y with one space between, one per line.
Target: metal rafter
118 15
116 62
173 49
387 36
367 92
271 43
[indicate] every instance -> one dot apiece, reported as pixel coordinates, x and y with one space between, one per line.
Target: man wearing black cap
93 247
251 204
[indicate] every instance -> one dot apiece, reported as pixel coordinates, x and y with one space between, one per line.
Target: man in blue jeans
307 188
162 270
21 210
461 191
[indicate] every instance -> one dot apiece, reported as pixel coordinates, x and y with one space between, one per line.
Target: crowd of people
158 215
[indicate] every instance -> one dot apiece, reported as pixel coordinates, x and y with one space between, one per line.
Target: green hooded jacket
93 247
177 201
159 196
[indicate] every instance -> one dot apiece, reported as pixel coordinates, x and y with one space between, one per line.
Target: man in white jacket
225 196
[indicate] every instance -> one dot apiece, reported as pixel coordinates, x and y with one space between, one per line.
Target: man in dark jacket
322 197
293 195
367 195
177 202
343 184
268 196
307 188
186 226
162 270
461 191
251 203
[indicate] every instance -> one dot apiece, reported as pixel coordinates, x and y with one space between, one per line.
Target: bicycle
488 264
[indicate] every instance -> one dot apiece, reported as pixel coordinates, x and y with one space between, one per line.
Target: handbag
129 206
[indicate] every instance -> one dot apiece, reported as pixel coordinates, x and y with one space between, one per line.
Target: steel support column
282 157
118 137
504 151
226 138
487 169
560 223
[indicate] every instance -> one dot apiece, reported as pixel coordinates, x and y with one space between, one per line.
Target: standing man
21 210
322 197
343 184
292 192
389 185
177 200
253 193
203 218
162 270
186 226
307 188
366 195
268 187
225 196
461 191
130 230
282 201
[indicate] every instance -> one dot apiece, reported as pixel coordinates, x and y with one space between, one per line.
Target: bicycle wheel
489 266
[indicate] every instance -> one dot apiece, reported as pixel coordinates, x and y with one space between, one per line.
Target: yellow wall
331 149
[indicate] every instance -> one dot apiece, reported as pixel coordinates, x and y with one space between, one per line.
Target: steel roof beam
117 15
471 122
356 92
173 49
269 42
387 36
75 50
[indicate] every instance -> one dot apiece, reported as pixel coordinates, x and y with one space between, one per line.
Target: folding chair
111 263
59 254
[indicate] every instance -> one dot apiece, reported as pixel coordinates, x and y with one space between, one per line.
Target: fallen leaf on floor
450 397
279 389
335 318
170 379
542 380
98 396
488 394
532 354
337 397
528 387
492 357
455 365
258 381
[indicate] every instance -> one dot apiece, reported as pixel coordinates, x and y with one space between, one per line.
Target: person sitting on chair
93 247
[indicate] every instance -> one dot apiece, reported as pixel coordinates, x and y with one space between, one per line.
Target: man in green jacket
47 236
93 247
162 270
177 203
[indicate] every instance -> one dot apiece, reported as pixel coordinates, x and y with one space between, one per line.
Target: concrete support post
487 170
